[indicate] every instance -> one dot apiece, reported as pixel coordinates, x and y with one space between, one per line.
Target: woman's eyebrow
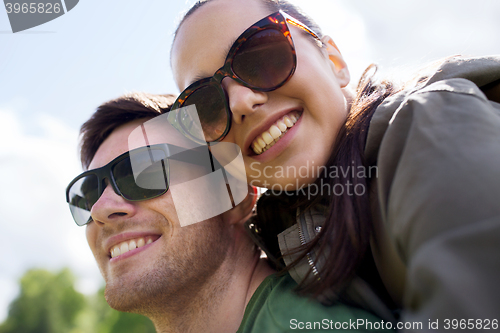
228 48
197 78
204 76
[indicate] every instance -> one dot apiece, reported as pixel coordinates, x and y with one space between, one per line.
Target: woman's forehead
205 37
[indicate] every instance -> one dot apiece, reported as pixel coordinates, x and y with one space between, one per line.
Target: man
203 277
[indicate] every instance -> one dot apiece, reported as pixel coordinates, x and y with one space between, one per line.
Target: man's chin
128 300
121 299
129 292
139 293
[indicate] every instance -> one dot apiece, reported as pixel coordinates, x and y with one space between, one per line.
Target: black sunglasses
263 58
139 174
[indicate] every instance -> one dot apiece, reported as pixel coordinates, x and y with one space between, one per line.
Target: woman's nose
243 101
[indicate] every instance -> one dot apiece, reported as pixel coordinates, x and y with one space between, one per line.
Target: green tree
108 320
48 303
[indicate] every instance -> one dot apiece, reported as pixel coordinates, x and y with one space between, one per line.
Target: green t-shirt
275 307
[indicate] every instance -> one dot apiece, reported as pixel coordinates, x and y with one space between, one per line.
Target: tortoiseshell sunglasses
262 58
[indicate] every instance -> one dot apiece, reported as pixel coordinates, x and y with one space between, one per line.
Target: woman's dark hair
117 112
345 238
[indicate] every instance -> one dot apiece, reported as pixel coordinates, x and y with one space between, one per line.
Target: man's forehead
157 130
135 134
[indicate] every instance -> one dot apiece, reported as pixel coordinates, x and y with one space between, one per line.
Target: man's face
173 262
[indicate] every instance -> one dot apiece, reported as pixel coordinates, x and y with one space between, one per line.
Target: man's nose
111 207
243 101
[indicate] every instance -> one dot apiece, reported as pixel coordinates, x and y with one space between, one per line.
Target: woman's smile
266 140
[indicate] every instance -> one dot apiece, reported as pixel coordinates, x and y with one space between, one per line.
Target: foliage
49 303
112 321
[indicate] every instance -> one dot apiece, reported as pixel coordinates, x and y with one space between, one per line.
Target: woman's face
311 104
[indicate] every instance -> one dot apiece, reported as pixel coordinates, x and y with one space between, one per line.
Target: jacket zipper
302 226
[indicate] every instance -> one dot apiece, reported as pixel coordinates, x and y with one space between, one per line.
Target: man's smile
129 244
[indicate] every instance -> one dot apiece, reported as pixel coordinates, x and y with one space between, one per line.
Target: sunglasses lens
150 178
211 110
265 60
83 194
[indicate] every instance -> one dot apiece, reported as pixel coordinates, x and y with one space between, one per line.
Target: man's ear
243 210
338 65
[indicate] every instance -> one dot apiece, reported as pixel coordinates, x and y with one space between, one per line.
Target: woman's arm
439 191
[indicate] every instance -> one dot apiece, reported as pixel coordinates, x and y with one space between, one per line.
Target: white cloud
402 36
37 227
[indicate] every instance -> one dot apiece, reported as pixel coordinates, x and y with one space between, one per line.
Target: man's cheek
91 234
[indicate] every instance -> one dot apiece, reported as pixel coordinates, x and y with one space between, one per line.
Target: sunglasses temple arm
223 174
299 24
165 176
228 187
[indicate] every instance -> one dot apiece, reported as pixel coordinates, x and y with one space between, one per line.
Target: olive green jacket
436 200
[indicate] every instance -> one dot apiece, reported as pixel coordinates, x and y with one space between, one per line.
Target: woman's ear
338 64
243 210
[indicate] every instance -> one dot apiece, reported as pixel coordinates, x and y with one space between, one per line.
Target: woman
410 176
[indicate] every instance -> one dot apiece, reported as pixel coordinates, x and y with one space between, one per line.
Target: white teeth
275 132
115 252
261 143
256 148
140 242
282 126
267 139
124 247
129 245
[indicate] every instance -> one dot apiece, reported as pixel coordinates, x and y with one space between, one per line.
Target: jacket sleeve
439 192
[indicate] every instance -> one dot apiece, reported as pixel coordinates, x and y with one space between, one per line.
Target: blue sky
53 76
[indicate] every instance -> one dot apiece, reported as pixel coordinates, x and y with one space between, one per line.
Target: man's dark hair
117 112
